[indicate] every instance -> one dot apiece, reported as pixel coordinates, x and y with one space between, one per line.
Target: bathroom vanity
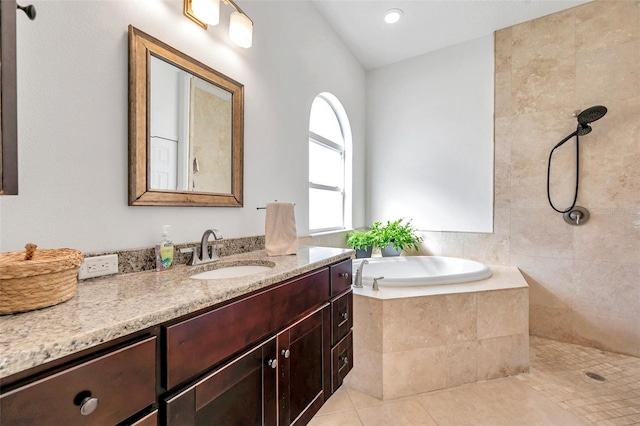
266 349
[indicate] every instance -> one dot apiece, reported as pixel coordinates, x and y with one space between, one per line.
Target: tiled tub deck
418 340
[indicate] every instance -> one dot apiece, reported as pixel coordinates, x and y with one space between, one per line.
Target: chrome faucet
357 281
206 256
375 283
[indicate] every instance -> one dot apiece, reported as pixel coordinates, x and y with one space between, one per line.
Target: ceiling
427 25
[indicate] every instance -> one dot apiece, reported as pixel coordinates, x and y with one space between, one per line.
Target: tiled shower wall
584 280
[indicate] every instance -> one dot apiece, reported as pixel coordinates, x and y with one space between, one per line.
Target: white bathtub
417 271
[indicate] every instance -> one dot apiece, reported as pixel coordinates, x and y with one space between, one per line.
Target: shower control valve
576 216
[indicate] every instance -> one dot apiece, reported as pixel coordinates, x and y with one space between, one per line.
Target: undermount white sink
231 272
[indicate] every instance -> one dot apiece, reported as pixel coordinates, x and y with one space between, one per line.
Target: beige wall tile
540 232
550 322
604 24
544 84
609 159
367 324
559 63
548 37
453 244
431 244
492 249
503 356
503 40
550 280
503 101
607 332
502 163
414 371
607 287
608 74
366 373
533 137
503 313
462 365
422 322
502 221
608 237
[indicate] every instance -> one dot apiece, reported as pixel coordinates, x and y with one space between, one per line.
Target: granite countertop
106 308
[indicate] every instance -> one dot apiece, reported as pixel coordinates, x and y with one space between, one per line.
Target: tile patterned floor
555 392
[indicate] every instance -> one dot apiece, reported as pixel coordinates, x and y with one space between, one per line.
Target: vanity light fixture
392 16
207 12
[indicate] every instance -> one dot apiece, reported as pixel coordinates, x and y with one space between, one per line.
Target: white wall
72 112
430 139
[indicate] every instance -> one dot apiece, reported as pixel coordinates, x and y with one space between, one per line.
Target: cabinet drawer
340 277
341 317
123 382
202 342
148 420
341 361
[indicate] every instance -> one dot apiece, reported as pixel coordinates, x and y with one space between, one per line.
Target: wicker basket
47 279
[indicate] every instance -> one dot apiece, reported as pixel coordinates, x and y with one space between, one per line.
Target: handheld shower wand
586 117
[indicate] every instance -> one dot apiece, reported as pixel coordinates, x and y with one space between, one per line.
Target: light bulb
207 11
392 16
241 29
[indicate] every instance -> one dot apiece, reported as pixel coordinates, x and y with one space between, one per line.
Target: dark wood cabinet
269 358
102 391
242 392
197 344
303 349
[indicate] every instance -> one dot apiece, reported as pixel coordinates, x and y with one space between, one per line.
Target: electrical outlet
98 265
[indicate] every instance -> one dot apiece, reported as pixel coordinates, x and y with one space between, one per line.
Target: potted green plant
395 236
362 242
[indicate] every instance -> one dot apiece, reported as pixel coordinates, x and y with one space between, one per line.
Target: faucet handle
375 283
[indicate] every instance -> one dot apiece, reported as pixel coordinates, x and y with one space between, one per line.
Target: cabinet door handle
88 405
344 315
273 363
285 353
344 275
345 360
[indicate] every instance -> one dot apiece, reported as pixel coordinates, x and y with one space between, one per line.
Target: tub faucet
206 256
375 283
357 281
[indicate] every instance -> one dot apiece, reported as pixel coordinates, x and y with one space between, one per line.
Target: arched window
329 165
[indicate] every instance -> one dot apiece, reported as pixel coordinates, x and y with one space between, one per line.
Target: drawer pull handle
285 353
344 275
345 360
273 363
344 315
88 405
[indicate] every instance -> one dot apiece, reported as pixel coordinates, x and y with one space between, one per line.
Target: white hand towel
280 232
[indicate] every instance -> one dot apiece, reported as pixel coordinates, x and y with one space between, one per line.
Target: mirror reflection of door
190 143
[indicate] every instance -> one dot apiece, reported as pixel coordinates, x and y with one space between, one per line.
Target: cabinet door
242 392
303 349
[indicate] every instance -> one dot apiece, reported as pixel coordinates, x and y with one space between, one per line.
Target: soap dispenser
164 251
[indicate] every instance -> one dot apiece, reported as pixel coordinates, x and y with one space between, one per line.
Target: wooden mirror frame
141 46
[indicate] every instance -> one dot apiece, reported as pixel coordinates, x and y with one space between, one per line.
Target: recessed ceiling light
392 16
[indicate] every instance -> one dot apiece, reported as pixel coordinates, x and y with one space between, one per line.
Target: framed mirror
186 124
8 100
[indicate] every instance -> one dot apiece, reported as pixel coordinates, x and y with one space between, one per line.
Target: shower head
583 129
590 115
